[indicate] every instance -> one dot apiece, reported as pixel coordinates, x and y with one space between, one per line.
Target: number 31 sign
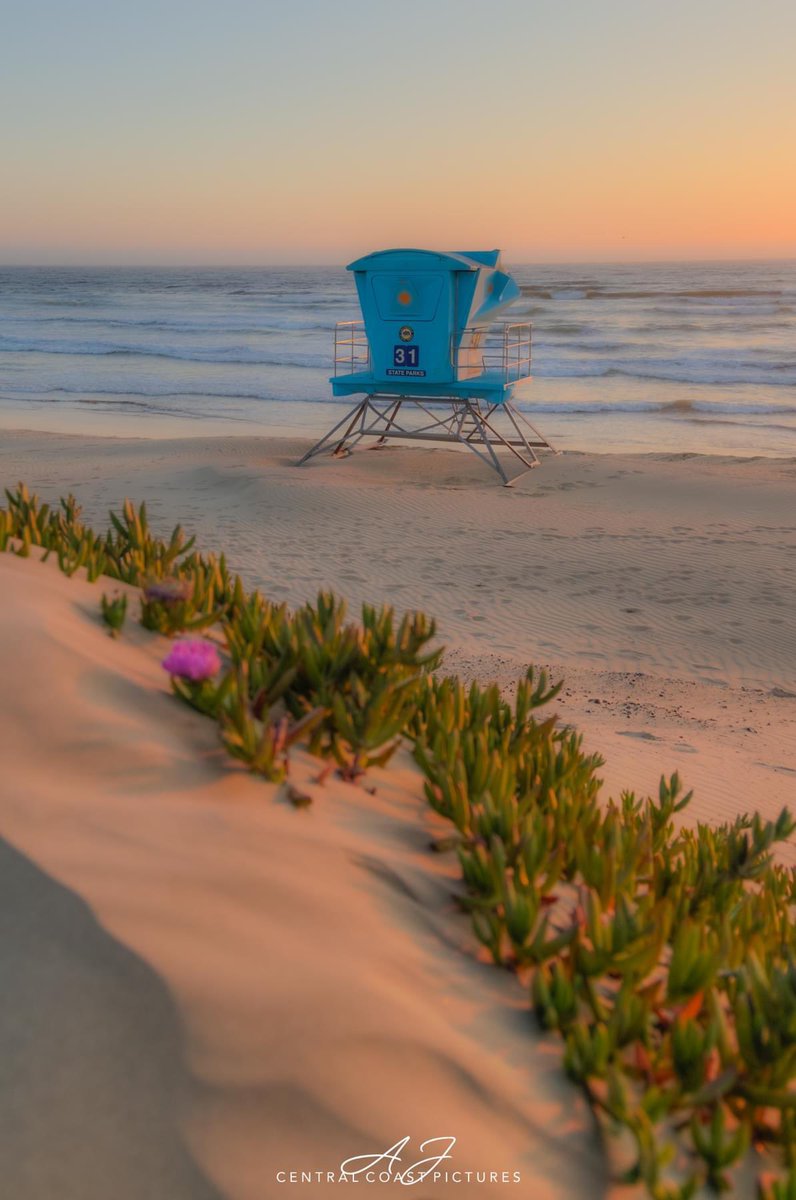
406 356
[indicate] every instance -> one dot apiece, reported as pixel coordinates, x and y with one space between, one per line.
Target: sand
208 986
659 587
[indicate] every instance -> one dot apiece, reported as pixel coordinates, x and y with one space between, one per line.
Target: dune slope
244 987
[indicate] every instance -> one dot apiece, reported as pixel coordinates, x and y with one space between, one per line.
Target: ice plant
664 955
194 659
193 665
168 591
262 743
174 605
114 611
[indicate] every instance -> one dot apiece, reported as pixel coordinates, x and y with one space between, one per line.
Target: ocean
681 357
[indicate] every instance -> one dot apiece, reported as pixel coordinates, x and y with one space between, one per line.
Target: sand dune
209 987
93 1073
205 986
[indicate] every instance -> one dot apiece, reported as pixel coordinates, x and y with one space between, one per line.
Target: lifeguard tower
429 360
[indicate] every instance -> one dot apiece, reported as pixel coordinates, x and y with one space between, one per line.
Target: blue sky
295 131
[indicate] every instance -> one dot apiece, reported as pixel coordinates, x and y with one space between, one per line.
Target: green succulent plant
262 743
207 697
650 968
664 955
778 1189
114 612
178 605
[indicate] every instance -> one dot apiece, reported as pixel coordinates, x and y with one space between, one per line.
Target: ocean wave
590 345
592 290
728 408
563 328
229 356
661 408
758 321
88 395
772 375
582 359
268 324
607 293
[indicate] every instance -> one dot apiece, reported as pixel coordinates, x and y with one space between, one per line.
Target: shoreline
303 436
622 415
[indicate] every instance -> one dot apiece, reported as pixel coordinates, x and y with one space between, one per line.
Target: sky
311 131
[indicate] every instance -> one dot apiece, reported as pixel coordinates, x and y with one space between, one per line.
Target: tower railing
504 351
517 349
499 350
351 348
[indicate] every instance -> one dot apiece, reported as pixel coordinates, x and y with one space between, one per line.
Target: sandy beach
305 988
658 587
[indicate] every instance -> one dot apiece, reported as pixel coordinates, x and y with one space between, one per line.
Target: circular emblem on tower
406 333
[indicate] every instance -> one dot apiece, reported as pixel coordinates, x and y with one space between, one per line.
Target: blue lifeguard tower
429 360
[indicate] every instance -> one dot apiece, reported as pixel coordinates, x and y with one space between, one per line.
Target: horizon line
259 266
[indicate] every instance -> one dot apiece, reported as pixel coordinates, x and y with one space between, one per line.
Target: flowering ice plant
183 605
193 665
168 591
193 659
169 606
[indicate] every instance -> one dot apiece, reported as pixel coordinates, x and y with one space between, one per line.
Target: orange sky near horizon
638 131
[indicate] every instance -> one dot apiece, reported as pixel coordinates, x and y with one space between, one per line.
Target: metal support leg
351 415
494 460
391 418
465 422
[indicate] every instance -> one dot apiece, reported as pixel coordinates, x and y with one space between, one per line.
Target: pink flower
193 659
